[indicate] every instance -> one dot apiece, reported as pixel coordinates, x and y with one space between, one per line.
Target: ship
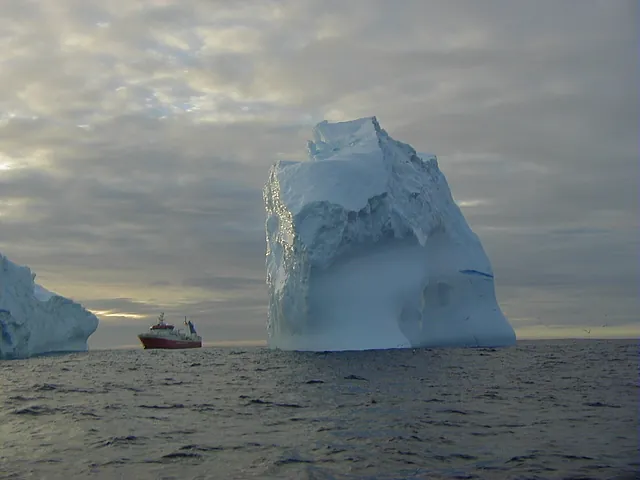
165 335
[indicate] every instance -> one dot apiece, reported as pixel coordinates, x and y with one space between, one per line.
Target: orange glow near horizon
110 313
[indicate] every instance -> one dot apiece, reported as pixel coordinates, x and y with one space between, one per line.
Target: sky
136 137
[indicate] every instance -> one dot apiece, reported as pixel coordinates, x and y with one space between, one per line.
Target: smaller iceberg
34 321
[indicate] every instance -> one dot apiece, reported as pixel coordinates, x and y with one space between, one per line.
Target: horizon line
263 343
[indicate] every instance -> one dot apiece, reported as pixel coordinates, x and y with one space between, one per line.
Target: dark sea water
542 410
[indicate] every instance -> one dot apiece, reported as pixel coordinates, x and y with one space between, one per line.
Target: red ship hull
168 343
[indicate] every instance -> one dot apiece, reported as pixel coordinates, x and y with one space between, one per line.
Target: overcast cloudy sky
135 137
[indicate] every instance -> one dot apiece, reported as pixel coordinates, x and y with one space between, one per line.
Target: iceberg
366 249
35 321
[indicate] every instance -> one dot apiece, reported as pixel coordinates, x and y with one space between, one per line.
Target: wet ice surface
538 410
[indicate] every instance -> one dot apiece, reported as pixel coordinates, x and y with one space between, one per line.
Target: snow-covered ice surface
34 320
366 249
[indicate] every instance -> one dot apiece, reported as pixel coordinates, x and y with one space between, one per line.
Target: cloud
224 283
135 138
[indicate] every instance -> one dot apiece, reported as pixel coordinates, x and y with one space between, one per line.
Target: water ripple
539 410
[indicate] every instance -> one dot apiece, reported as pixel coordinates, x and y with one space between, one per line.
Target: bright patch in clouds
472 203
108 314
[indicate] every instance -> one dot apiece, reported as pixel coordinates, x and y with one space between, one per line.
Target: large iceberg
366 249
34 320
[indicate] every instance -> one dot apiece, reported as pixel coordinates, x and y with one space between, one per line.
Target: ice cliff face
366 249
35 321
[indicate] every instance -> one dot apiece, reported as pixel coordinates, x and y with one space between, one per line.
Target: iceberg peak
331 139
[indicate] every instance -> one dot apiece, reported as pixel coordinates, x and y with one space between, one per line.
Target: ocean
539 410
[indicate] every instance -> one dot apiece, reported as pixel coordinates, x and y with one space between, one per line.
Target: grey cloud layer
145 130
